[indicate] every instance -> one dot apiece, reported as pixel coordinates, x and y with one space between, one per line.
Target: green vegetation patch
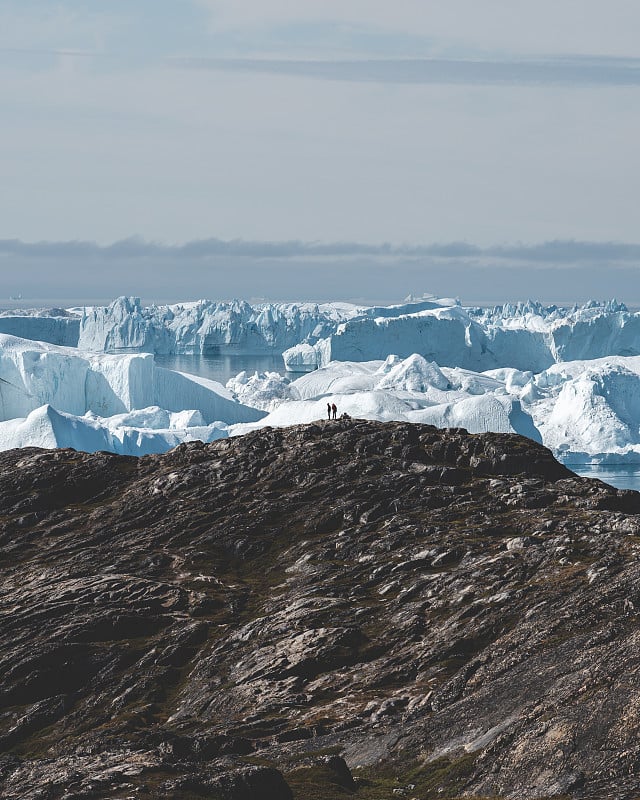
442 778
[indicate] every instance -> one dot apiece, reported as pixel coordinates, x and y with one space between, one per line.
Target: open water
622 476
221 367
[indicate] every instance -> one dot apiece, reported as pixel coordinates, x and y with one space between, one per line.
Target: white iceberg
34 374
205 326
60 397
590 410
527 337
263 390
46 427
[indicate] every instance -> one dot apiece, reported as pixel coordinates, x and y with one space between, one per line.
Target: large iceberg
204 327
54 325
526 337
54 396
590 410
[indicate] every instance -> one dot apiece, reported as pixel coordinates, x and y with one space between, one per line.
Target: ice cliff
54 325
204 327
527 337
54 396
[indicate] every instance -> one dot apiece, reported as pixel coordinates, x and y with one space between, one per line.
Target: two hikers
332 408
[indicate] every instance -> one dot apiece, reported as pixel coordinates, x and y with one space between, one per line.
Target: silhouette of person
328 410
334 409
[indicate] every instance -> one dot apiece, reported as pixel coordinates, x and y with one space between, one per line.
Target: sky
361 149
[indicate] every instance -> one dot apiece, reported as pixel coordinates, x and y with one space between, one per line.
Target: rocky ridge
345 608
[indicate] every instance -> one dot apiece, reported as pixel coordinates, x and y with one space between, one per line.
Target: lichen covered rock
339 607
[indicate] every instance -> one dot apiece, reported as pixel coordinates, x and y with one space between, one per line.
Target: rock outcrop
344 608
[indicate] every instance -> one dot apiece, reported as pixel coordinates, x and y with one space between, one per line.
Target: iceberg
34 374
53 325
53 396
46 427
414 374
261 390
204 327
526 337
589 410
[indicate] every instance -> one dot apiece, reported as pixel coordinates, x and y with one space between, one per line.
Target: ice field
567 377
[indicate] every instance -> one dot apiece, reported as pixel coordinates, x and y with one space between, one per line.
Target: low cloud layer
551 253
86 272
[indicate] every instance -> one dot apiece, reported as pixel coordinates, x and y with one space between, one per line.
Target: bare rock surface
345 608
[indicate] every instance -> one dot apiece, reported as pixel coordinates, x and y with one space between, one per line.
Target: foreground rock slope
339 609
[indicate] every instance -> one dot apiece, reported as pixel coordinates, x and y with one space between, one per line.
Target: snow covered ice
54 396
567 377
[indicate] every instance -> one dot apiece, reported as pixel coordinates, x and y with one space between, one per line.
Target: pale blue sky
414 122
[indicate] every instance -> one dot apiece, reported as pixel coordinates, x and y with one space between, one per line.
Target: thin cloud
567 71
52 52
577 71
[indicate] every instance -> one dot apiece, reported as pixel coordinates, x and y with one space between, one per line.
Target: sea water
220 367
622 476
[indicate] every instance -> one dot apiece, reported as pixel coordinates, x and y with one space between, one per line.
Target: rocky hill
342 609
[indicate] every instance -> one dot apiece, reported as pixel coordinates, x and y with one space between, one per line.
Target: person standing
328 410
334 409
